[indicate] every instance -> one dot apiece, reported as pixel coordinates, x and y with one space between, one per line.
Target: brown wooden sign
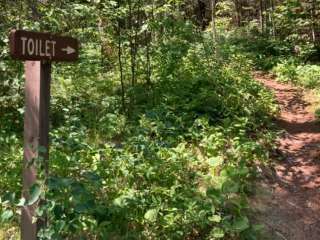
38 49
25 45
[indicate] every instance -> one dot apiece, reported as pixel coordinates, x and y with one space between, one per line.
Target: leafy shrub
265 53
286 71
309 75
317 112
180 166
305 75
11 155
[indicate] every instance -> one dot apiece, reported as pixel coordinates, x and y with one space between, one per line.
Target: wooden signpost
38 50
26 45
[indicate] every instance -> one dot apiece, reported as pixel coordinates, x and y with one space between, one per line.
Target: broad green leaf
240 224
35 192
42 149
214 194
151 215
230 187
21 202
215 161
6 215
217 233
215 218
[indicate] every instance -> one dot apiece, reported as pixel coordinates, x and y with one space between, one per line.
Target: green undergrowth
267 52
9 233
290 60
180 165
305 75
317 104
264 52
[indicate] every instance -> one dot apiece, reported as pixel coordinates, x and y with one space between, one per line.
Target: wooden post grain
36 135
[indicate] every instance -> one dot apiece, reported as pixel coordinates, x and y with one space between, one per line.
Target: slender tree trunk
148 69
266 17
152 38
201 14
213 18
270 17
261 16
132 46
274 33
102 54
32 4
137 26
121 64
313 25
238 7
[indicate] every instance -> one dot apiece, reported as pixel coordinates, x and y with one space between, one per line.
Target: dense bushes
305 75
157 130
286 71
309 75
293 60
160 142
180 167
180 171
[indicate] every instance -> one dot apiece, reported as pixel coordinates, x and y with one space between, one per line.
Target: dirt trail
289 205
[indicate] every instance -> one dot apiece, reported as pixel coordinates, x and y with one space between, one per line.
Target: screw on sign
38 50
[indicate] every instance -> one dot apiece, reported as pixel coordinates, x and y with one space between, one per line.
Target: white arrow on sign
68 50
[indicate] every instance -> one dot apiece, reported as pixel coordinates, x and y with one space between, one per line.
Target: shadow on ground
288 199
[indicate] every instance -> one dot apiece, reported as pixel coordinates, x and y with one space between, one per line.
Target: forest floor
288 199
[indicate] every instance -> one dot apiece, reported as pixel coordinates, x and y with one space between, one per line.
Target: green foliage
11 154
309 76
160 143
180 166
286 71
263 52
317 112
305 75
9 232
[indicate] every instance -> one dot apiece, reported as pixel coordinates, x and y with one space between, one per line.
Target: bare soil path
289 203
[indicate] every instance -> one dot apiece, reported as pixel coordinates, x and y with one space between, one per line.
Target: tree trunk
213 18
120 64
272 19
238 7
132 45
261 17
313 25
35 15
